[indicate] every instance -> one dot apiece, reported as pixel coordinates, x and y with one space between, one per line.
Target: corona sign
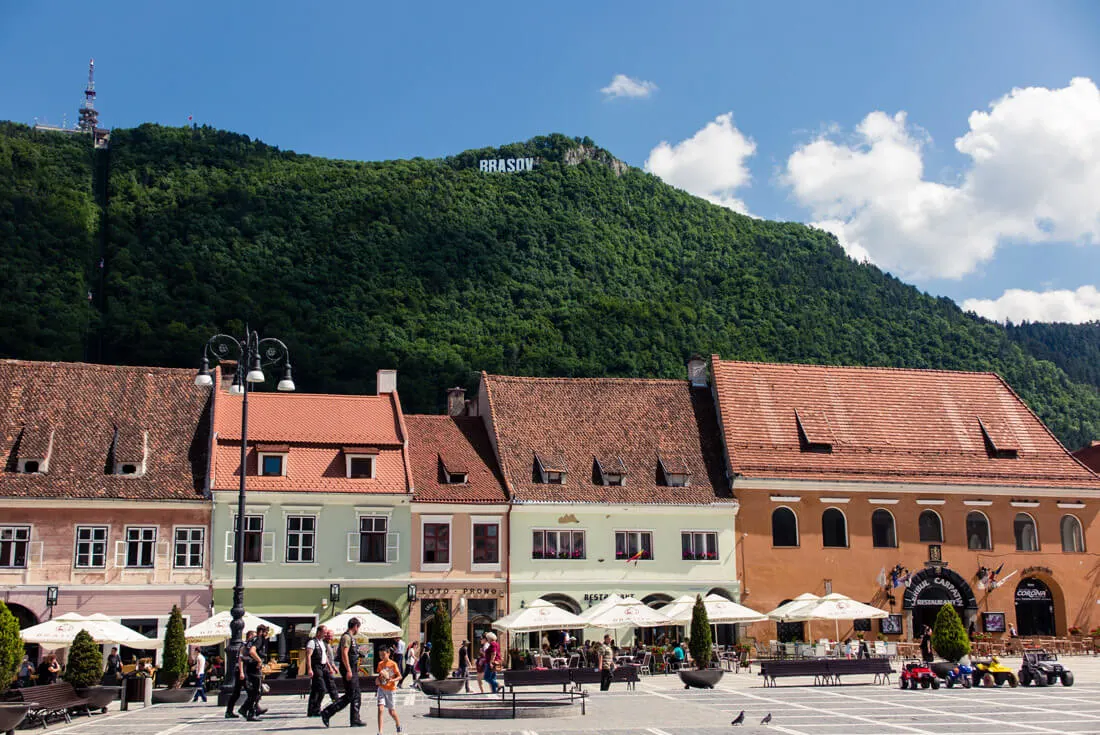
506 165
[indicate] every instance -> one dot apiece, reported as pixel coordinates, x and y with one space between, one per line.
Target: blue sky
1013 209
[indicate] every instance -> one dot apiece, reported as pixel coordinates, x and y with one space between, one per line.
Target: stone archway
930 589
1034 607
26 619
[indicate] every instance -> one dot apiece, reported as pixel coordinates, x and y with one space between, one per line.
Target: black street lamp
252 354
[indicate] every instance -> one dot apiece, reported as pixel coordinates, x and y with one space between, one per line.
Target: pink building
103 492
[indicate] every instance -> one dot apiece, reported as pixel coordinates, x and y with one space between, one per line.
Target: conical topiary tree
174 670
443 646
949 637
11 647
700 643
85 665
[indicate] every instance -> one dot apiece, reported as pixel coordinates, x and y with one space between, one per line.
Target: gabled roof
455 444
81 406
632 419
315 431
886 425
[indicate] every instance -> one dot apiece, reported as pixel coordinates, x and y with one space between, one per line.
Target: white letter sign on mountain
506 165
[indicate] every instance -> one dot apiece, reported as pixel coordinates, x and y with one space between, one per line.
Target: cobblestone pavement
660 706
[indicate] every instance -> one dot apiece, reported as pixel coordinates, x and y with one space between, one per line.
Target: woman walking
410 663
484 647
492 661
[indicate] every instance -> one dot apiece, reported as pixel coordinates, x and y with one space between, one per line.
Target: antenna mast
89 116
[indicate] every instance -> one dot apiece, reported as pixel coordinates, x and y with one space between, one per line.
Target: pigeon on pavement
740 718
767 719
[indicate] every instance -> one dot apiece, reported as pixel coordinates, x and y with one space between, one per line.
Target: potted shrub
11 656
949 639
701 648
443 655
173 671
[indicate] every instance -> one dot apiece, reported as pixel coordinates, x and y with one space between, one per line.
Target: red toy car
917 674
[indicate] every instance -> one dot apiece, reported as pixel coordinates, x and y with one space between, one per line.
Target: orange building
906 489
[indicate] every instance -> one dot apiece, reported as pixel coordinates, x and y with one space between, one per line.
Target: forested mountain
582 266
1073 347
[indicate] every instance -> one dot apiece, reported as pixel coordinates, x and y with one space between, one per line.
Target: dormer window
452 471
814 434
360 462
456 478
550 468
29 466
271 459
129 450
610 469
1000 443
35 449
615 479
675 469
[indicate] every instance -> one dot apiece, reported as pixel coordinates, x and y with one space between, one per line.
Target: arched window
1027 537
977 532
882 530
1072 538
834 528
784 527
931 527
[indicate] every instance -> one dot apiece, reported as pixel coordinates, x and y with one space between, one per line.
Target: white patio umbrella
720 611
214 630
628 612
835 607
539 615
61 631
600 607
675 608
791 606
370 625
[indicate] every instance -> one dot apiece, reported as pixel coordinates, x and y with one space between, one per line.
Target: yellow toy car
993 673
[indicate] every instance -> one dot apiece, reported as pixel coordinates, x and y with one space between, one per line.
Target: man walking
320 670
399 658
605 661
238 680
349 669
254 651
388 674
200 676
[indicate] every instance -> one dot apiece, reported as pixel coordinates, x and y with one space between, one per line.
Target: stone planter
100 696
701 678
11 714
442 686
173 696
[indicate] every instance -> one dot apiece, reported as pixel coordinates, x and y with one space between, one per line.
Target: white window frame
126 546
797 527
373 465
708 531
447 521
267 538
1062 538
940 517
261 456
393 538
988 531
22 466
15 528
618 481
678 479
553 477
201 542
1034 526
559 531
847 529
894 525
76 546
639 531
487 521
312 534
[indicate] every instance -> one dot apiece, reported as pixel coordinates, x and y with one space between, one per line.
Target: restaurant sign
932 592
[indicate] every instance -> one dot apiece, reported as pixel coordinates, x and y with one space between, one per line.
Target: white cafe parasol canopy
370 625
835 607
628 613
806 599
600 607
214 630
720 611
61 631
539 615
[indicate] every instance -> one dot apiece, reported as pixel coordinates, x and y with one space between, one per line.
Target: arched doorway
384 610
789 632
1034 608
26 619
555 637
932 588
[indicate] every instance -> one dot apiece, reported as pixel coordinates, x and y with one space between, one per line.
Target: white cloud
709 164
1015 305
623 86
1033 176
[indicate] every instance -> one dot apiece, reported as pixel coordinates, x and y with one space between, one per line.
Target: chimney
387 381
456 401
228 370
697 371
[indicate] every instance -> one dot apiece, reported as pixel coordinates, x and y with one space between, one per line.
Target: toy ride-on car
1043 669
960 674
917 674
993 673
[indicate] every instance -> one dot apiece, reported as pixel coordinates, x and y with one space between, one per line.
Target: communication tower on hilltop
89 116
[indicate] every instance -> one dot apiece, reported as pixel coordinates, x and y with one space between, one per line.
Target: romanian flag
636 557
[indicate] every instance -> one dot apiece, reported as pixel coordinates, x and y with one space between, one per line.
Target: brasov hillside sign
506 165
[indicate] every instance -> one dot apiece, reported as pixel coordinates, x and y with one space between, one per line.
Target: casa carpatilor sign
506 165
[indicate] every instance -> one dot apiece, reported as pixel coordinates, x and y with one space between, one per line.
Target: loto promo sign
506 165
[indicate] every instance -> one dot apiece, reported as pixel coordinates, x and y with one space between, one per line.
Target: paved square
660 706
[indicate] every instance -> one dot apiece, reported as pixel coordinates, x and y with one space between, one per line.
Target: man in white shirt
199 668
320 669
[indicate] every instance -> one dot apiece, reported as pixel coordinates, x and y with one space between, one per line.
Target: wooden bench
621 675
880 667
538 677
49 699
817 668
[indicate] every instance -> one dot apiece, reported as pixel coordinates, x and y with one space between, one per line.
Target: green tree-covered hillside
580 267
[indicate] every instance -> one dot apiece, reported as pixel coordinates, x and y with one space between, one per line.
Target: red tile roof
314 430
461 445
83 405
580 419
886 425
